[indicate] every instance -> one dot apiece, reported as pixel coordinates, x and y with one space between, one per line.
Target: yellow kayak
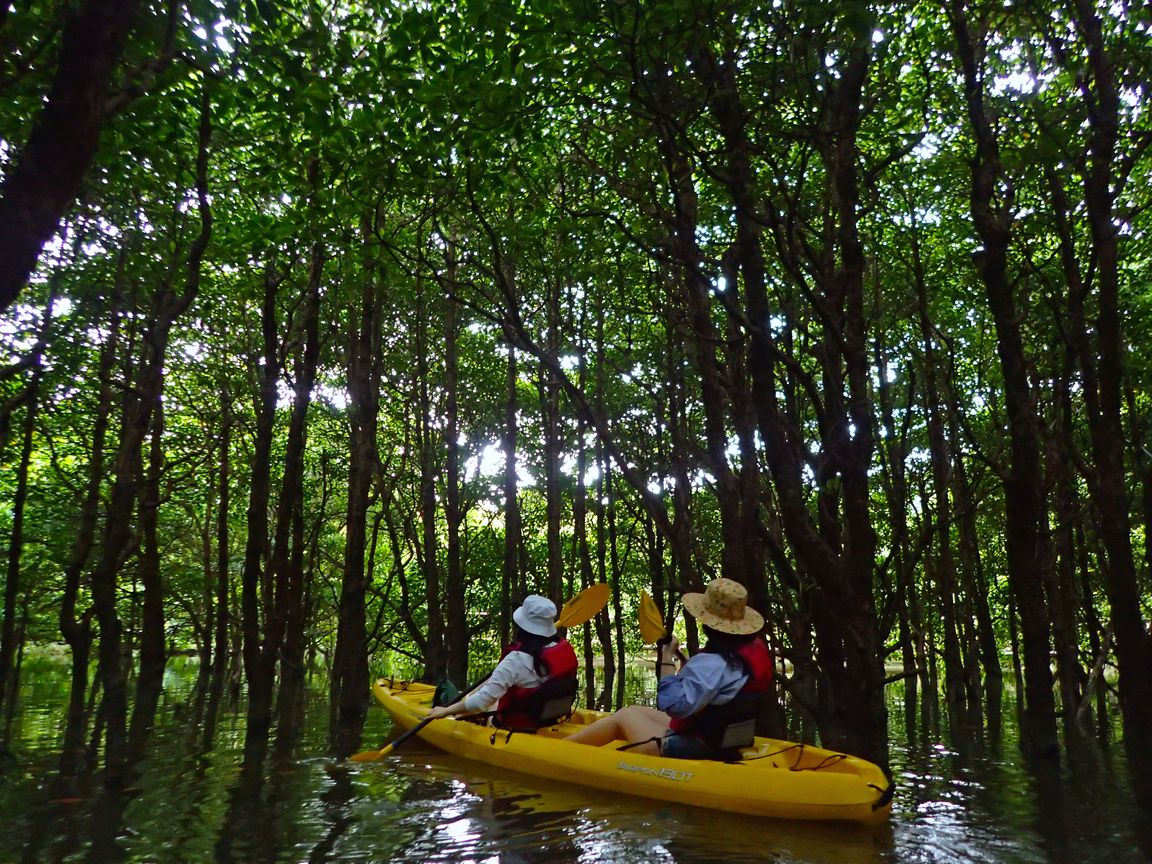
778 779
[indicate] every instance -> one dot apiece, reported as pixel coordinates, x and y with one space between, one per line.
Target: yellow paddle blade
652 628
584 606
372 755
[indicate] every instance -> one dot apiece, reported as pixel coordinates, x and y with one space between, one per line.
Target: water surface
969 798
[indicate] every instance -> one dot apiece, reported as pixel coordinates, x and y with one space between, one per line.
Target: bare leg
633 723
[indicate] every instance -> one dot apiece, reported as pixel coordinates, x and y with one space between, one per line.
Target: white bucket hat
536 615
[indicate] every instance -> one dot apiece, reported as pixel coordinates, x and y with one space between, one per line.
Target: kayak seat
737 735
549 704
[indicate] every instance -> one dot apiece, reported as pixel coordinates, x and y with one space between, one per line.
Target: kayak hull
776 779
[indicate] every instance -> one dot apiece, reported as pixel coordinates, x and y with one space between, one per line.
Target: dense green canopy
367 319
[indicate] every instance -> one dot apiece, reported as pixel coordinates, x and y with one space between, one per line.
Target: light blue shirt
706 679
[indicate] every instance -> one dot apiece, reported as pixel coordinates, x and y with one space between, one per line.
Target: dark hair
723 643
532 644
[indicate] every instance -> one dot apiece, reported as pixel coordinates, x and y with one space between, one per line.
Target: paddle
376 755
583 607
652 629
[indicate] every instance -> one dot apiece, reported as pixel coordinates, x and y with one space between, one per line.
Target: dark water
971 799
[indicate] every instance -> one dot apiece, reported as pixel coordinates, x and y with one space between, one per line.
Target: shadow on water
965 795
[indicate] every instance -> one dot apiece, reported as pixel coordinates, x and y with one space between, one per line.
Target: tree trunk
941 458
150 675
511 566
455 602
552 447
12 582
220 607
1027 547
256 564
1103 391
348 693
77 629
434 653
285 572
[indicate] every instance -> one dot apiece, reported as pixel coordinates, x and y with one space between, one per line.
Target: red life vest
712 721
521 707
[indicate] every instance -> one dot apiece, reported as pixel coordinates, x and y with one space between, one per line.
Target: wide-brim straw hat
724 606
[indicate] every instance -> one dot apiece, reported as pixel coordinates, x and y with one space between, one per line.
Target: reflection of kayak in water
519 816
775 778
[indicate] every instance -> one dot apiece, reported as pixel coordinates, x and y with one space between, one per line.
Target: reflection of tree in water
517 821
336 812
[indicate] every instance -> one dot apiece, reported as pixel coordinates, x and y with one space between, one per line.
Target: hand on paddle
666 654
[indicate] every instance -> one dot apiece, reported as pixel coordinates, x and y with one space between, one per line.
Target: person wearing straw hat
707 708
538 665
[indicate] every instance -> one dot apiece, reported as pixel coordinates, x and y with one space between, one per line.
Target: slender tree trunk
455 608
696 291
13 583
349 686
895 449
1104 382
293 669
941 481
220 607
971 564
150 675
284 564
434 654
1027 547
256 564
77 629
582 553
511 565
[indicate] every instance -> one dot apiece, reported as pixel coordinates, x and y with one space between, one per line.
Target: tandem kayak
777 779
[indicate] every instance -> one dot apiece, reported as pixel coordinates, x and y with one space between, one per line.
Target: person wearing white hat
707 708
538 666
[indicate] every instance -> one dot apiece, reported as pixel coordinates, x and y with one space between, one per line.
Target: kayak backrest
742 734
559 705
545 705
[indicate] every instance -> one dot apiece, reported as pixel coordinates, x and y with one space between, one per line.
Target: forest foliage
367 319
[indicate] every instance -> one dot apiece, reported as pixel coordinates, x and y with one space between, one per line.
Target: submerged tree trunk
348 692
1027 547
77 629
941 458
220 606
1103 388
455 608
256 545
12 581
435 661
510 570
150 674
285 573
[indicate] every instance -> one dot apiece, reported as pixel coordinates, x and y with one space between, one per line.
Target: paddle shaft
373 755
388 748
